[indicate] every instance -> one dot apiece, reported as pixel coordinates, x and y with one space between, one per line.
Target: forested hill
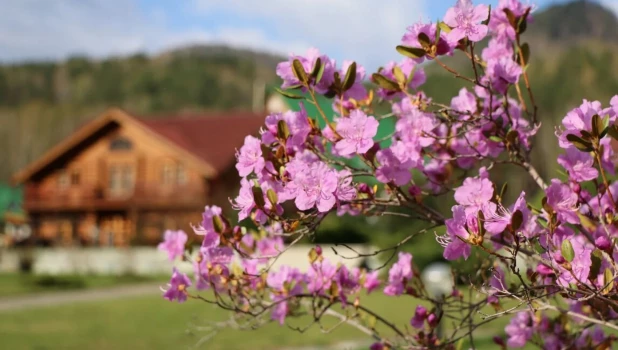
575 46
41 103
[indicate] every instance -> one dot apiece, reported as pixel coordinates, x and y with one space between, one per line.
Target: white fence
149 261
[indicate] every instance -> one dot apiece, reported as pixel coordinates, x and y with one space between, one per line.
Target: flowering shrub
295 174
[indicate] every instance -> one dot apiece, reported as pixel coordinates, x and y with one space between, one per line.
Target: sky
362 30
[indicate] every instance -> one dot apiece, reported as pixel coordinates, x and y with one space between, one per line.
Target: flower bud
318 249
499 341
603 243
432 319
559 258
364 188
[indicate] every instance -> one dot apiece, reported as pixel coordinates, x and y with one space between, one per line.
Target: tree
553 264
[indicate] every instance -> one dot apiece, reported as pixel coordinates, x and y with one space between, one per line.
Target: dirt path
59 298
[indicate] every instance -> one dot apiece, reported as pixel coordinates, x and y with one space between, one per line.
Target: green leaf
218 224
480 218
596 258
510 16
516 220
567 250
546 206
272 197
288 95
299 71
460 344
586 135
258 196
350 77
371 321
525 51
486 22
495 138
512 136
398 74
283 132
313 255
579 143
412 52
437 36
444 27
586 222
320 73
608 280
316 67
597 125
522 23
384 82
424 40
605 123
613 131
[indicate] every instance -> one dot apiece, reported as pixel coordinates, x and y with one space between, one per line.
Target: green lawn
153 323
22 284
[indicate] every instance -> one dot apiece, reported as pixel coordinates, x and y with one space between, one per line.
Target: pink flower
173 244
502 72
399 274
408 66
314 185
464 102
209 213
395 165
357 132
372 281
519 330
444 45
465 20
456 228
284 70
297 123
420 314
320 276
499 23
580 266
357 91
250 157
177 286
563 201
580 165
474 193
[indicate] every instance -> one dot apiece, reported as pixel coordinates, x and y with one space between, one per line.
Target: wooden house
122 180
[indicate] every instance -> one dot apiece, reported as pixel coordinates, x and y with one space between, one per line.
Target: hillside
41 103
574 47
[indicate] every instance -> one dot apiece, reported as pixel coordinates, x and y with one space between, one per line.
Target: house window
120 144
121 178
75 178
167 174
63 180
181 175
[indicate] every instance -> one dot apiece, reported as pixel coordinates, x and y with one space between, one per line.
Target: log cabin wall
123 189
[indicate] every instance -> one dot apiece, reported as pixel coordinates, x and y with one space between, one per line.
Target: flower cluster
555 253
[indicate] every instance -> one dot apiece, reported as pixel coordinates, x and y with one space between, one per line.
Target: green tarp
387 126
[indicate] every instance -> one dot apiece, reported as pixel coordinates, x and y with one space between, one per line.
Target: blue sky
363 30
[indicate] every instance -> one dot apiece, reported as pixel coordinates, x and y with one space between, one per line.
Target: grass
24 284
152 323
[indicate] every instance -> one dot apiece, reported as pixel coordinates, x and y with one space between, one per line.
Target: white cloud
611 4
363 30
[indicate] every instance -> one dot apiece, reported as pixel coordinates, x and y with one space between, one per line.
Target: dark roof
209 140
213 138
